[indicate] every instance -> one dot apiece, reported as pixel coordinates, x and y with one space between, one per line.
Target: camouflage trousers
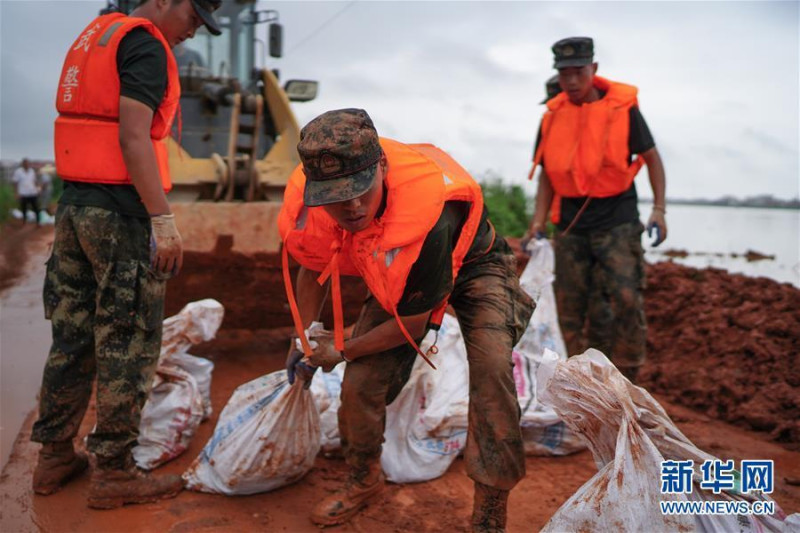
599 280
106 307
493 313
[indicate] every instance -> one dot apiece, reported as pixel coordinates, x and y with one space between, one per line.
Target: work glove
166 246
325 355
658 223
297 367
536 231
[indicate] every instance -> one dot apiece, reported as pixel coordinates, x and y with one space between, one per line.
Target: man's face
577 81
25 164
179 21
357 214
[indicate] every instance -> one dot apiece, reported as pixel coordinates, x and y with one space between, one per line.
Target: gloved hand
295 366
657 222
325 355
168 256
536 231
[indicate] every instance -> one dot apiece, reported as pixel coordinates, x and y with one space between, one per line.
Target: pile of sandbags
180 398
630 435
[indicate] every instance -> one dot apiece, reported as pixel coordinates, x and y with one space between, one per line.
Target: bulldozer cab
236 134
235 115
231 152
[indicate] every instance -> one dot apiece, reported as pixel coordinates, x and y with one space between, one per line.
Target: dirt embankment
726 345
249 286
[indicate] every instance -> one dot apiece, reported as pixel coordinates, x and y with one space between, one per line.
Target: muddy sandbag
326 389
543 432
180 396
267 436
426 425
630 434
197 322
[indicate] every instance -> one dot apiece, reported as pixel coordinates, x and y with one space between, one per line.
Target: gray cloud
468 77
769 142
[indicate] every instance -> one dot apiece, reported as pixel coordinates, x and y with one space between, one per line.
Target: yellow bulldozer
230 156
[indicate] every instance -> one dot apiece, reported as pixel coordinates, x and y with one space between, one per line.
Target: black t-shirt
431 277
605 213
142 67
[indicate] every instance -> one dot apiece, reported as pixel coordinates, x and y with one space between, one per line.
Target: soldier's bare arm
544 196
658 182
386 336
135 119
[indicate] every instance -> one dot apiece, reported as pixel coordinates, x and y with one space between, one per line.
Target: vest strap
411 341
332 271
298 323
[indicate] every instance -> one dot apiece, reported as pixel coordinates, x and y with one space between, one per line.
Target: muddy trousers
615 258
493 312
106 307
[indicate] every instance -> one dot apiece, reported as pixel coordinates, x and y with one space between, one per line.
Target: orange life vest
87 128
585 147
420 179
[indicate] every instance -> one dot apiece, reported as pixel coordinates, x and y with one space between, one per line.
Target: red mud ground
440 505
716 309
727 346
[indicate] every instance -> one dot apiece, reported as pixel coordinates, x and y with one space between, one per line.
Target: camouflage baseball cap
340 154
205 10
552 88
573 52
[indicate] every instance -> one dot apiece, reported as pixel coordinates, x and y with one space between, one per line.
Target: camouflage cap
340 152
552 88
573 52
205 10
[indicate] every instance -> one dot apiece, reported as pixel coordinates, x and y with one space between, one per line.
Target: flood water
710 234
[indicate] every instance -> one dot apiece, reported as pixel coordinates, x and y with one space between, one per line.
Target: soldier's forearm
544 197
139 155
310 295
386 336
655 171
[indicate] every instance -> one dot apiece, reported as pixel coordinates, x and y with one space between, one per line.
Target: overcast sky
719 81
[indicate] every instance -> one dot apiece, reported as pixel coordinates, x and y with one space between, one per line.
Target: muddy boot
110 489
489 509
58 463
361 487
630 372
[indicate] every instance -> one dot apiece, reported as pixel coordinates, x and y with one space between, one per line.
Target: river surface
720 237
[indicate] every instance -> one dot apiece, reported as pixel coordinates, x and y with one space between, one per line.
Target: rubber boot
489 509
110 489
362 486
58 464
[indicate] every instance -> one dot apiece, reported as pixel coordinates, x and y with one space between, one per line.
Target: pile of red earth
726 345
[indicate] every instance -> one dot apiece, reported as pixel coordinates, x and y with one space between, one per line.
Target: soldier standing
592 142
115 245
